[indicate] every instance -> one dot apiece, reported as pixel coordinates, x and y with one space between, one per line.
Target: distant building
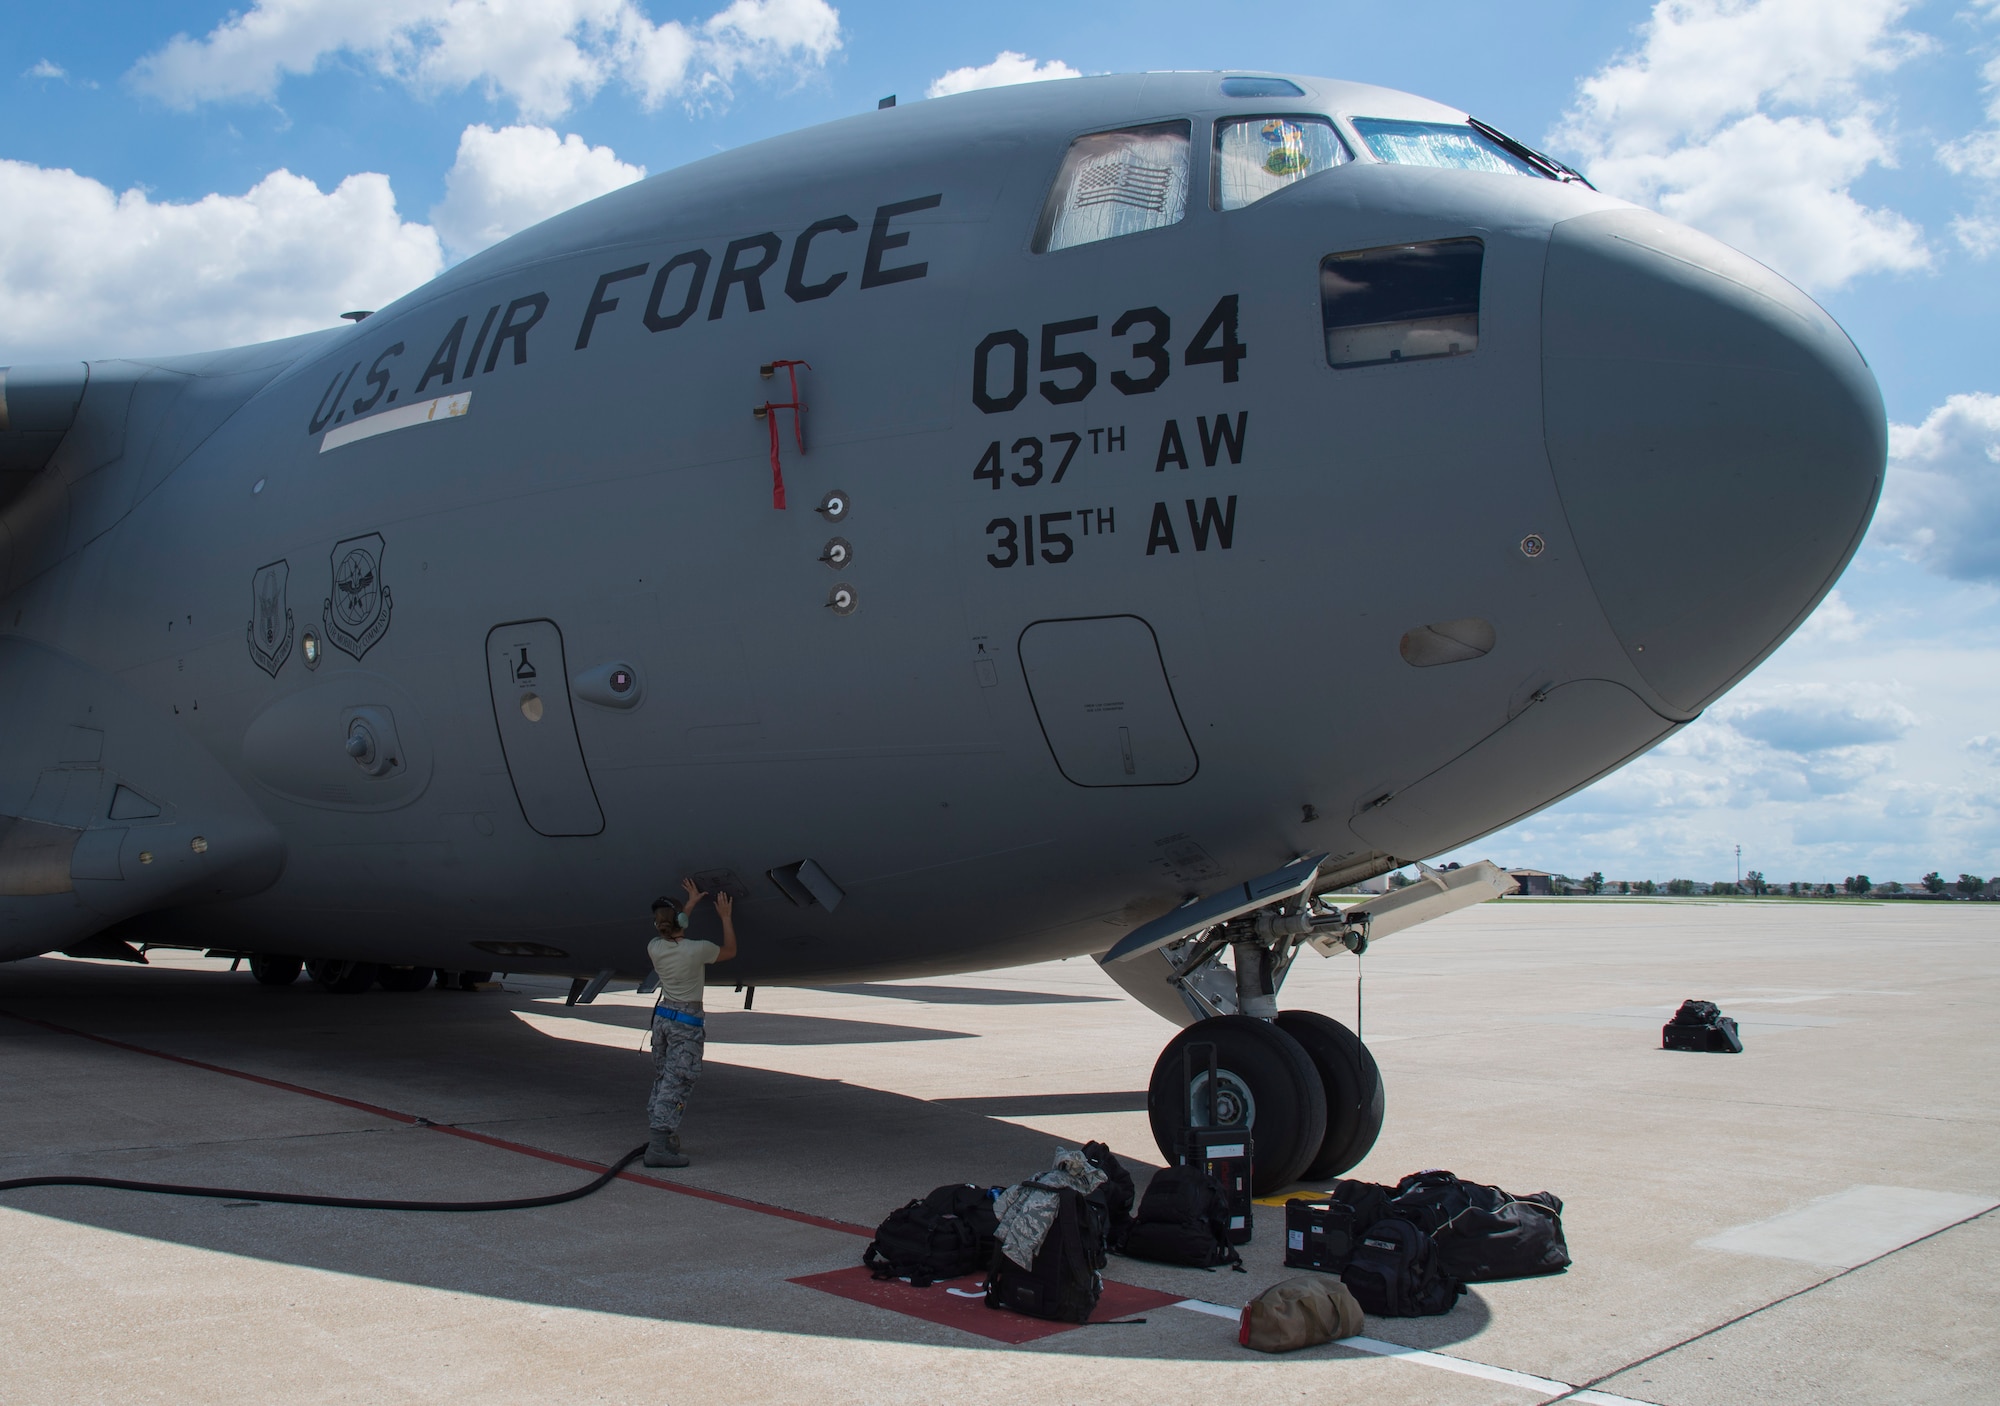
1533 882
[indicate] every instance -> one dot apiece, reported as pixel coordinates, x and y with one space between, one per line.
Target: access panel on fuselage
1100 689
531 705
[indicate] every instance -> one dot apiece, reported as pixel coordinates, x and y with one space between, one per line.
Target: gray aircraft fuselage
1133 585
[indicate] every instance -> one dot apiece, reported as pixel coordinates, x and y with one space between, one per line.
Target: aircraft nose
1717 441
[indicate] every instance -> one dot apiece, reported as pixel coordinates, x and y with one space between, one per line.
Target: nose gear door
1100 690
531 705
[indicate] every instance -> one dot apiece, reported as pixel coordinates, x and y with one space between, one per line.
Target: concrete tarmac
1807 1222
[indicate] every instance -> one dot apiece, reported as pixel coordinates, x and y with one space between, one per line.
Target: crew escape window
1407 302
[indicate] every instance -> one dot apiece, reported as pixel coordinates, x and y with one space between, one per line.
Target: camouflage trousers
677 1051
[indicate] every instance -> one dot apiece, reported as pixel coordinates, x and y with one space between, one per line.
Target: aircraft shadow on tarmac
962 995
830 1149
727 1027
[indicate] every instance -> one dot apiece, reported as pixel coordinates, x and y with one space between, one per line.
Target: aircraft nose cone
1717 441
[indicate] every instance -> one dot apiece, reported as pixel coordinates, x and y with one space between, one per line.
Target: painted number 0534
1000 364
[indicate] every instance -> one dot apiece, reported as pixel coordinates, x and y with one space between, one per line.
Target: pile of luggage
1412 1248
1396 1251
1042 1243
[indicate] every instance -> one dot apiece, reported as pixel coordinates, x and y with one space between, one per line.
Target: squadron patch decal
357 613
270 629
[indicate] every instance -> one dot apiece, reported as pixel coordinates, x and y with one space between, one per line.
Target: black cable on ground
355 1203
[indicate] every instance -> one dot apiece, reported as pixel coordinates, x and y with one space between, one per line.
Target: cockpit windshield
1260 156
1457 146
1117 183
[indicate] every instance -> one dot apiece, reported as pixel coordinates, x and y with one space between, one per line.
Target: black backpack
1482 1233
1184 1219
1395 1272
1368 1200
1065 1280
1116 1194
948 1233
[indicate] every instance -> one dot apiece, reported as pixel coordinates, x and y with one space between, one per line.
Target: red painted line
388 1113
720 1198
938 1304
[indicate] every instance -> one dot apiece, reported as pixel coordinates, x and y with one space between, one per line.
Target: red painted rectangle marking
938 1304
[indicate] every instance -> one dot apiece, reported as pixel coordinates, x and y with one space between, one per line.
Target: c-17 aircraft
1102 516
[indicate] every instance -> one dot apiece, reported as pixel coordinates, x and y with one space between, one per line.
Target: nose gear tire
1291 1103
1354 1098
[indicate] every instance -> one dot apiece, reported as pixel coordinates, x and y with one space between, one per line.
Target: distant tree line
1754 884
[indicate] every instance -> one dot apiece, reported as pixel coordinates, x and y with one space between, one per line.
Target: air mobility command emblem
357 613
270 631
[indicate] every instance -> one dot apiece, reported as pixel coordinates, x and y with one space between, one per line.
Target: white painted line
1851 1227
1541 1385
1458 1365
422 413
1216 1310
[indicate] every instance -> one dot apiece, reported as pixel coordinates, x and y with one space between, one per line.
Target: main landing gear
1302 1082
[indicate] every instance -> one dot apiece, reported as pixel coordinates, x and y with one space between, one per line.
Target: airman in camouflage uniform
679 1027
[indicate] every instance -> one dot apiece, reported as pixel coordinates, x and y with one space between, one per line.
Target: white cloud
1985 745
1941 504
1977 155
1978 235
504 181
43 68
1007 67
1749 119
543 55
1804 719
85 271
1834 622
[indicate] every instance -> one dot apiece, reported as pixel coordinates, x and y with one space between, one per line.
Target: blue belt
669 1013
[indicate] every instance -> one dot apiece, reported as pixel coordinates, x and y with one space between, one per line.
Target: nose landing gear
1303 1082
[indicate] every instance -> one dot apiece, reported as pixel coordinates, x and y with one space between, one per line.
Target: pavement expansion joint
1800 1293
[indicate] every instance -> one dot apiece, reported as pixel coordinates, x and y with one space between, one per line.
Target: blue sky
180 175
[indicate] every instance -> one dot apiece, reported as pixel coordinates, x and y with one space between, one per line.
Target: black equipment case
1318 1235
1225 1153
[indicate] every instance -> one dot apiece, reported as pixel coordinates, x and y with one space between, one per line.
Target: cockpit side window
1260 156
1456 146
1116 183
1407 302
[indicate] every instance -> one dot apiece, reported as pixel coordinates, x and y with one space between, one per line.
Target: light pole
1739 866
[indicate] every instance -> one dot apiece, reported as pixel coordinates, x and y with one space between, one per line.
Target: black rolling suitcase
1225 1153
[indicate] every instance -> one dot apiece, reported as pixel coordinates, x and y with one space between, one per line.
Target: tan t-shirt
682 965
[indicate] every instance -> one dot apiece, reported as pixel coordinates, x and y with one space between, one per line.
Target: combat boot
664 1150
